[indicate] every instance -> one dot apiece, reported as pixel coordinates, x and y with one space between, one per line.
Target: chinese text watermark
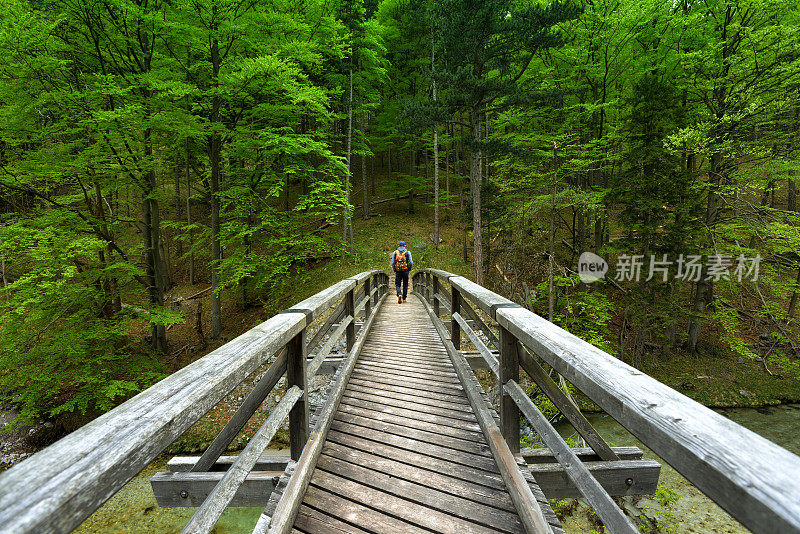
688 268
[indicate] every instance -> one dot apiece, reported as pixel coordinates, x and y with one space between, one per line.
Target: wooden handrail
755 480
60 486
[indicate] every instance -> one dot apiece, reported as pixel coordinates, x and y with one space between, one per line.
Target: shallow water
694 511
133 509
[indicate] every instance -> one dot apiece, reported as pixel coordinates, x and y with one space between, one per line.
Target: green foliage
586 314
59 349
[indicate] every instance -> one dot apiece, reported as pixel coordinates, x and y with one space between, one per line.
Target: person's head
401 244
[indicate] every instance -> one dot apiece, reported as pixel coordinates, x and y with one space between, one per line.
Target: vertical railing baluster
296 376
349 311
368 294
509 370
435 294
455 307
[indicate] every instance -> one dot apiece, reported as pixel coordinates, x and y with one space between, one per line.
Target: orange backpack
400 261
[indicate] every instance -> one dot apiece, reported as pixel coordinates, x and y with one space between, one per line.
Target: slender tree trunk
346 216
464 251
551 245
435 165
364 189
791 201
793 300
178 208
189 215
215 159
412 176
475 175
704 287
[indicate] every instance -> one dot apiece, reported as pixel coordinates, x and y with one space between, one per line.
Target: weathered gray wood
411 441
509 370
335 316
407 510
57 488
286 510
486 300
618 478
218 500
370 519
391 388
296 376
414 418
585 454
316 363
604 506
436 296
350 311
439 474
428 407
455 308
267 462
315 305
483 350
368 420
311 520
189 490
528 509
564 405
407 370
368 293
751 482
428 498
361 277
243 414
473 316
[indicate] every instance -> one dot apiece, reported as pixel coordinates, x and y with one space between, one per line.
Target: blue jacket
401 250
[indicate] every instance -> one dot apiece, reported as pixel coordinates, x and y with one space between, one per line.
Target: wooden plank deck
405 453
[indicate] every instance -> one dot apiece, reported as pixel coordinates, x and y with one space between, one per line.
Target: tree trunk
178 208
189 215
464 252
704 287
346 215
475 175
791 201
793 300
215 159
412 175
435 165
551 245
365 190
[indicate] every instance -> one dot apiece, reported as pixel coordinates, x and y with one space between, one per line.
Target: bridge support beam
296 376
509 370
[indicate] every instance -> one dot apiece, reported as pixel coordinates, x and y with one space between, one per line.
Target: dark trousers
401 278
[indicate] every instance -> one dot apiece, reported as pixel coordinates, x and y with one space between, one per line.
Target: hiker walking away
401 265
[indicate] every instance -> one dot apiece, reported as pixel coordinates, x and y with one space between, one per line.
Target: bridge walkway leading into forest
404 438
405 452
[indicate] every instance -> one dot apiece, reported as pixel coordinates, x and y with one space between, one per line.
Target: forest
167 164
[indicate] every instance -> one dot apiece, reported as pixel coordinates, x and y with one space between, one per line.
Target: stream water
693 511
133 509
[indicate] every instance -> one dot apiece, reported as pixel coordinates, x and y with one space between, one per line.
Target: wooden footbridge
404 440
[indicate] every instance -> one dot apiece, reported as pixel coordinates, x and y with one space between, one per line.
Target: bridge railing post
435 295
349 311
296 376
368 294
509 370
455 307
